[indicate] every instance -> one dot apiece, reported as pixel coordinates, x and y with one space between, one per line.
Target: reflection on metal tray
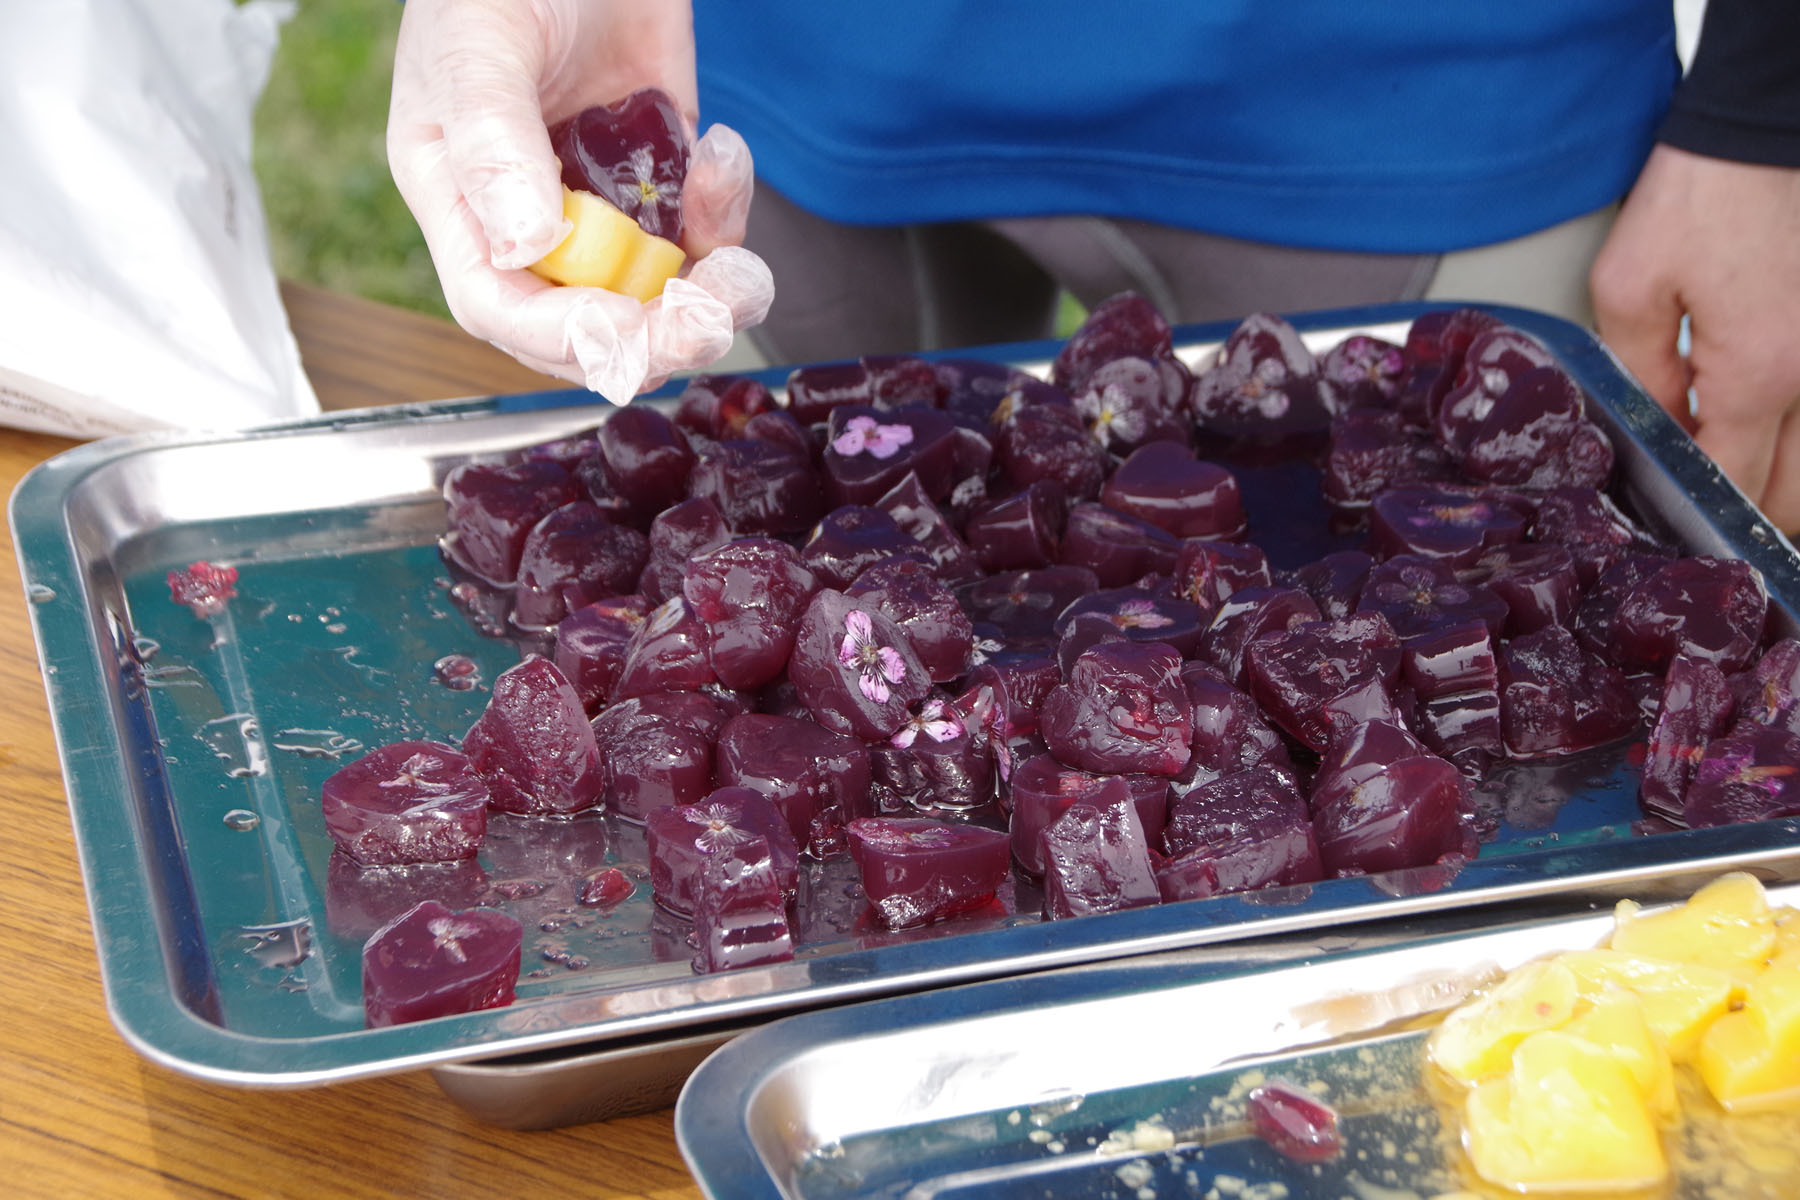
1129 1080
194 751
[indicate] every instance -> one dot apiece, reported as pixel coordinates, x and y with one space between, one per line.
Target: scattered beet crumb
1295 1122
604 889
203 587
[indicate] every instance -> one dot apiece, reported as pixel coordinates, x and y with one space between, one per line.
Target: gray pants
845 290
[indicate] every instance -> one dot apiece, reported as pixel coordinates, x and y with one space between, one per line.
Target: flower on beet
935 721
720 834
876 665
1140 614
867 435
643 197
1109 415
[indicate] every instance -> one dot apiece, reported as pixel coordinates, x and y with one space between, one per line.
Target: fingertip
721 183
740 279
609 337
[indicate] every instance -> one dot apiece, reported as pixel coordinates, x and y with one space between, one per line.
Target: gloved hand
475 84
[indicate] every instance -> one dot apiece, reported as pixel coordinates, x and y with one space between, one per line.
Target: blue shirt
1381 125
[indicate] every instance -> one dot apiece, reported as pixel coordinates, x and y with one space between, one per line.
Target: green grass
335 218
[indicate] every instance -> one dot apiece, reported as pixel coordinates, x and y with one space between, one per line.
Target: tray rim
140 987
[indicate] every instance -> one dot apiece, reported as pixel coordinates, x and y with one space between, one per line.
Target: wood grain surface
81 1113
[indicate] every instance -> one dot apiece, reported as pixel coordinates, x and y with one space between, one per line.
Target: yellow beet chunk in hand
1476 1041
1727 924
1616 1023
1680 999
1569 1116
607 249
1750 1059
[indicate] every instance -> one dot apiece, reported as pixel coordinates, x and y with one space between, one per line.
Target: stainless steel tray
193 752
1129 1079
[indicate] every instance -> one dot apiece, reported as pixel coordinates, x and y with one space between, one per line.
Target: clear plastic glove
476 82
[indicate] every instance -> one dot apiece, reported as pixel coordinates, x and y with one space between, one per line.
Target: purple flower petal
892 665
847 653
873 688
943 731
908 734
860 626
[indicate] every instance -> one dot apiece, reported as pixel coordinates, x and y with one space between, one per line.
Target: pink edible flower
866 434
876 665
935 721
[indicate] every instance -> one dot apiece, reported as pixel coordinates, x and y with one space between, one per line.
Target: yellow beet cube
1476 1041
1568 1116
607 249
1680 999
1616 1023
1727 924
1787 931
1751 1058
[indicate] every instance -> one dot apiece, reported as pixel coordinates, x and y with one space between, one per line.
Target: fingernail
523 220
611 344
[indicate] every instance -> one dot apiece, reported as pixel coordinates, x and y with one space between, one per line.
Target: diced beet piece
651 760
902 381
748 596
1556 698
1450 659
676 535
780 430
924 522
605 889
1382 802
1371 451
491 509
633 154
1251 613
1042 789
1208 572
359 900
1696 707
1538 582
1537 436
667 654
759 487
1361 372
1593 528
916 871
868 451
1020 532
1133 402
406 802
1000 704
571 558
645 459
1494 361
815 390
1420 596
1096 857
1139 616
1230 733
1262 382
855 670
909 593
935 762
1769 692
1124 709
973 388
1047 442
1025 604
533 745
1121 326
851 539
1294 674
591 644
1164 484
681 836
566 452
740 913
1335 582
1295 1122
1463 727
1703 607
1441 337
1597 615
718 406
1251 829
1453 526
204 587
818 779
432 962
1752 775
1118 548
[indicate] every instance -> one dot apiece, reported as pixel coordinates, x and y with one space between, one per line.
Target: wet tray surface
194 751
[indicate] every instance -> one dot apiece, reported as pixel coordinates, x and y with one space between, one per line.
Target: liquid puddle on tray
236 740
281 946
316 743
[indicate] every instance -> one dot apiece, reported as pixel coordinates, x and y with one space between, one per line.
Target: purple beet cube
1048 443
924 522
1372 451
850 540
669 653
1026 604
491 509
868 451
1538 583
407 802
1538 436
572 558
1230 733
646 460
1769 692
1709 608
533 745
1133 402
1263 382
1297 673
759 487
818 779
676 535
934 763
1118 548
682 836
1122 326
1251 613
591 644
1697 706
740 913
902 381
1042 789
1164 484
1362 372
1591 526
1382 802
1453 525
1753 774
1463 727
1246 830
1097 858
1020 532
917 871
748 596
432 962
855 669
1452 659
1556 698
1209 572
718 406
1140 615
1421 596
1123 710
652 761
1495 360
908 593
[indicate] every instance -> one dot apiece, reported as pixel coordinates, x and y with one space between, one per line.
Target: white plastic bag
136 288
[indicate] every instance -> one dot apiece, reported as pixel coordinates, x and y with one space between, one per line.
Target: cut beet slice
432 962
406 802
680 837
1123 710
533 745
1096 857
917 871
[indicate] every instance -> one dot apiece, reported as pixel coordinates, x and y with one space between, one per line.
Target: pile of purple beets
958 621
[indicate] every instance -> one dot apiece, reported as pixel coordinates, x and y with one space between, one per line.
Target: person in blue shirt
933 174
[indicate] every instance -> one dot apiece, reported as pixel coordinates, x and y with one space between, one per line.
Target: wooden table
81 1114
